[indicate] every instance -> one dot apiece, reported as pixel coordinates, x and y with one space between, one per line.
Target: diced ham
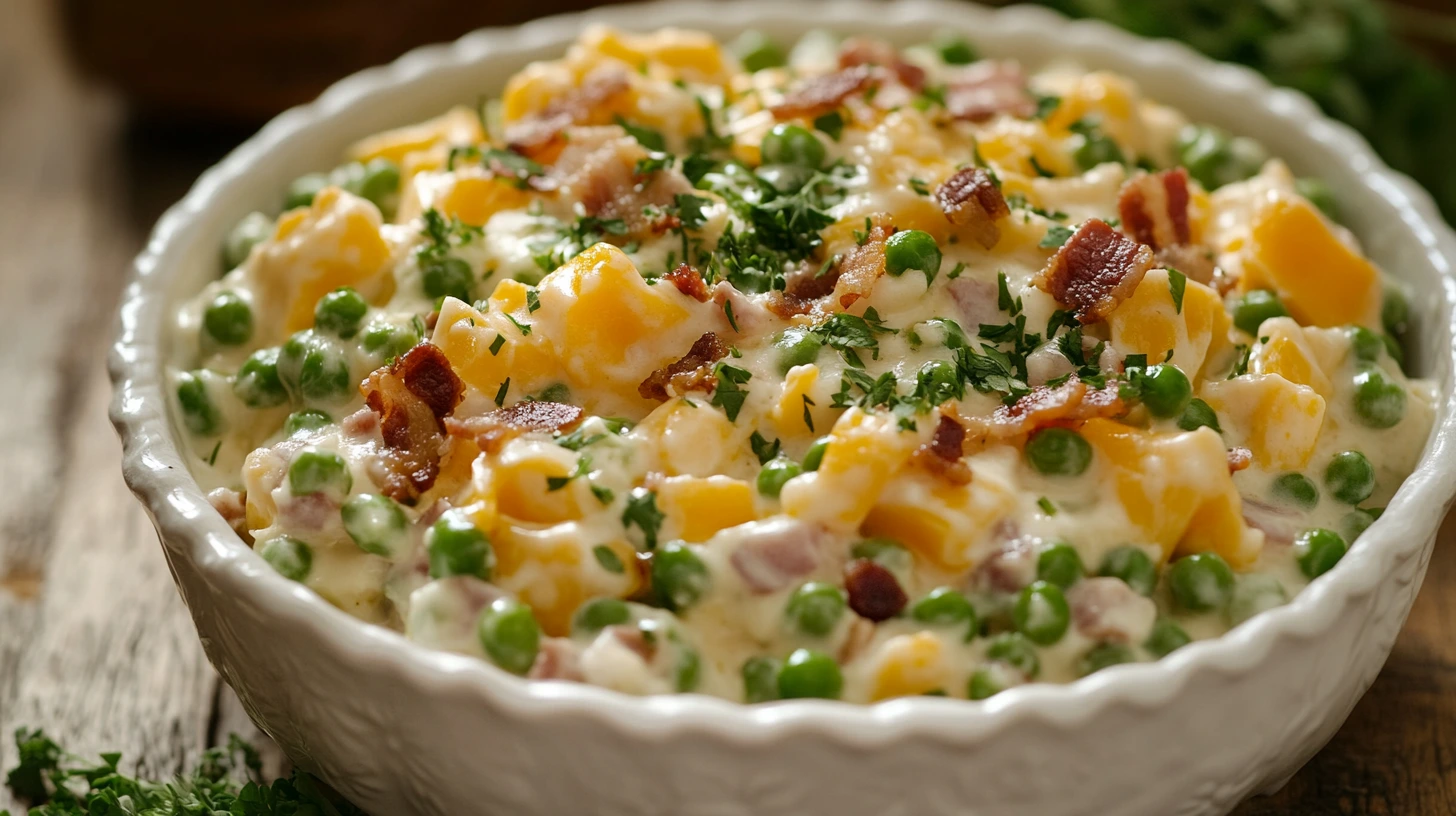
972 199
311 511
692 372
975 302
491 431
1012 566
412 396
1279 525
874 592
558 659
857 51
1095 270
1154 208
536 136
988 88
1109 611
821 94
775 554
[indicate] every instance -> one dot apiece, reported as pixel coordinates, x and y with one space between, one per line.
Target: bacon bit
943 454
1239 459
846 282
865 51
1192 260
1095 270
537 135
971 199
803 289
1154 208
412 396
689 282
1070 403
694 371
231 505
986 89
492 431
874 592
600 170
558 659
821 94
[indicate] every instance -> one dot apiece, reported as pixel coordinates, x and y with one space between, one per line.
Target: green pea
1166 390
760 679
912 249
388 341
1058 452
303 189
253 229
983 684
510 635
1015 650
1379 403
954 50
775 474
314 368
1198 414
290 557
1041 613
815 455
379 183
815 607
377 524
1133 566
455 546
1366 344
792 144
1295 490
1201 582
1355 523
319 471
599 613
447 277
688 670
1097 149
808 673
1059 564
756 51
940 330
1350 477
199 414
1395 311
945 606
1215 159
1253 594
679 576
888 554
256 384
1319 194
1318 551
309 419
340 312
797 346
1102 656
1166 638
1251 310
228 320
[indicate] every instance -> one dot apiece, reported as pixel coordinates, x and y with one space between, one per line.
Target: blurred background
1383 66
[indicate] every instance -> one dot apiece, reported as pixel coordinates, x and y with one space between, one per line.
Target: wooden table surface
95 645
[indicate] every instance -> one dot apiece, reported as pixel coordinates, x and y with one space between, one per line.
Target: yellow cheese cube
1288 353
1279 421
473 196
693 439
521 488
458 126
864 453
693 56
1149 323
909 665
940 522
802 387
554 570
697 508
473 343
1321 280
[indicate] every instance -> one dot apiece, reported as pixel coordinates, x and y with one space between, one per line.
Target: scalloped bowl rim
154 469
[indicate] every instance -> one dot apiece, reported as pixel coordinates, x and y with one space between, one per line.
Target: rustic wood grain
95 645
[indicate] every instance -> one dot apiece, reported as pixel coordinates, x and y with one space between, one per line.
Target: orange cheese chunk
1321 280
865 451
697 508
554 571
1285 350
522 491
1150 323
1279 421
911 664
941 523
458 126
473 196
486 348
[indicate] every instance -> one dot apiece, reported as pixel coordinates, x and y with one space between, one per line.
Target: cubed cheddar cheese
1109 100
941 523
334 242
1011 146
474 195
910 665
1322 281
554 570
697 508
1279 421
865 451
458 126
694 439
467 337
610 329
803 393
1175 489
1150 323
692 56
522 491
1283 349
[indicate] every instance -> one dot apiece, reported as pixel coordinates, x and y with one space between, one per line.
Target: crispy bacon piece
874 592
1066 404
1096 269
943 455
1154 208
598 168
804 288
694 371
490 432
987 88
412 396
852 278
1193 260
537 135
689 282
1239 459
865 51
971 199
821 94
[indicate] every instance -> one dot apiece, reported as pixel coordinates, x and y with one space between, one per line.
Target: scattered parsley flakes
212 457
1135 361
1046 104
732 321
500 394
919 186
956 271
1046 506
763 449
845 332
1241 364
533 300
1055 237
608 559
831 124
523 328
642 513
1177 282
603 493
645 136
583 467
497 344
1041 171
730 395
808 417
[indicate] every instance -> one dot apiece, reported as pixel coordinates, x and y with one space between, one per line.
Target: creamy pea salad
849 372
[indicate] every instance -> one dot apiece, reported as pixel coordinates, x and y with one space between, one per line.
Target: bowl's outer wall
404 732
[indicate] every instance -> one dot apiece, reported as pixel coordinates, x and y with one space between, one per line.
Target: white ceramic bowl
404 730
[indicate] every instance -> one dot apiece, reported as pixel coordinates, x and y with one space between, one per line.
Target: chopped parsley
641 512
1055 237
763 449
831 124
730 394
1046 506
497 344
608 559
500 394
845 333
645 136
1177 282
583 467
